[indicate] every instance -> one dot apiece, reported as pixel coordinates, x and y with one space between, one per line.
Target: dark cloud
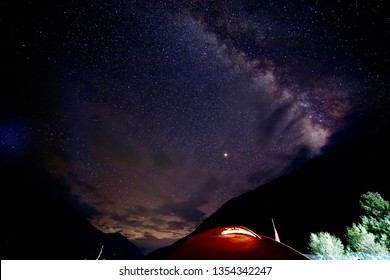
188 210
176 225
162 160
75 181
132 223
272 123
87 210
138 210
117 217
184 210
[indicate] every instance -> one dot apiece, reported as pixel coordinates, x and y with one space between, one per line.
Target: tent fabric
233 242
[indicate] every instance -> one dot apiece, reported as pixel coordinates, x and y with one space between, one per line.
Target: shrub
326 245
368 239
377 219
360 240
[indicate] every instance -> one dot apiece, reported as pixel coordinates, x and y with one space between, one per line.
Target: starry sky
155 113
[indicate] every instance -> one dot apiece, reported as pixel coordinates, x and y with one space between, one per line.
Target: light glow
228 231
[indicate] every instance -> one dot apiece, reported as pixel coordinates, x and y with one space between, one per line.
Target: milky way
170 108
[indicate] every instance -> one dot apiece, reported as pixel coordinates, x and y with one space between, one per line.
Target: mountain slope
322 195
38 221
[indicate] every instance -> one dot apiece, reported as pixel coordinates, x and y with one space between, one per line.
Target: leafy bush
360 240
377 219
369 238
326 245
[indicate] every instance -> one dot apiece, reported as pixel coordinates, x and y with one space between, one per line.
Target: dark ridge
40 220
322 195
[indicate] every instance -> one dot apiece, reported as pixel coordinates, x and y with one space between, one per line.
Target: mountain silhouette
40 222
321 195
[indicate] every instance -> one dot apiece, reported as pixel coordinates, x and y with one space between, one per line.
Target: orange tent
233 242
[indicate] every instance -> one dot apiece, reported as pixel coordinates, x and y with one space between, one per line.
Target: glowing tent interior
233 242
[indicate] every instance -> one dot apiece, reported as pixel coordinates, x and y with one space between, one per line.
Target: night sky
155 113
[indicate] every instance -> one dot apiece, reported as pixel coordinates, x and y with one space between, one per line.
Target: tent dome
233 242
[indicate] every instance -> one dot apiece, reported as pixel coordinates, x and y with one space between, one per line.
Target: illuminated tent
233 242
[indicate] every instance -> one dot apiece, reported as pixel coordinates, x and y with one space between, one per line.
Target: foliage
370 237
374 205
360 240
326 245
377 219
